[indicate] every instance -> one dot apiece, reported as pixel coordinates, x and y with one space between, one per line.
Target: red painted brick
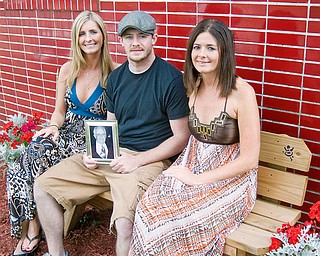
152 6
177 42
311 96
315 12
285 39
181 7
240 22
106 6
126 6
279 103
312 69
179 31
221 8
287 25
183 19
252 49
282 78
314 26
248 61
249 36
248 74
313 55
176 54
249 9
282 91
285 52
283 65
280 116
311 122
288 11
311 109
279 128
313 41
309 134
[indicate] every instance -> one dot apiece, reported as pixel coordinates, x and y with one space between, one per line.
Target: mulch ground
91 237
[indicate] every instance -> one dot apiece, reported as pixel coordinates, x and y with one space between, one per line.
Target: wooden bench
277 190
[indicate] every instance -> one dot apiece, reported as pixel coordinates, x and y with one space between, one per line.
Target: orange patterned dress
173 218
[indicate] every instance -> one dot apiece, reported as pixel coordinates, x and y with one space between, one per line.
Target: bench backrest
279 152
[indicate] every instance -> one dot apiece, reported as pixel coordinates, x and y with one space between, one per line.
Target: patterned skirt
40 155
173 218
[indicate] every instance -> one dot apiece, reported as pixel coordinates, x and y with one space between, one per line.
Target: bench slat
284 186
251 239
276 212
273 150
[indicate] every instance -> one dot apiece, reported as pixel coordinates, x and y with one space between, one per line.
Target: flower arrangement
300 239
15 136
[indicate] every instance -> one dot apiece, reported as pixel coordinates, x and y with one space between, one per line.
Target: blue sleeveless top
86 108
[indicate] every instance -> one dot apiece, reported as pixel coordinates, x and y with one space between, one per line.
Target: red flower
4 137
275 244
293 232
37 116
15 144
7 126
16 131
315 211
28 126
27 136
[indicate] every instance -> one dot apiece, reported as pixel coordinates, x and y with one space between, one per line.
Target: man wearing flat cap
147 97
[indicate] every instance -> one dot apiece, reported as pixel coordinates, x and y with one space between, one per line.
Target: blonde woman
80 96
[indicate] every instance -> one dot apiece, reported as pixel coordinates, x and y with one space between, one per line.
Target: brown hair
227 64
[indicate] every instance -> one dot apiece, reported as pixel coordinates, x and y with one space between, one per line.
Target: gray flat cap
138 20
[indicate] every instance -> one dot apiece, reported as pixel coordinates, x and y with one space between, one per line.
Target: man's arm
172 146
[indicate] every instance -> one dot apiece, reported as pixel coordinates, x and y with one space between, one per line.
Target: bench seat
277 190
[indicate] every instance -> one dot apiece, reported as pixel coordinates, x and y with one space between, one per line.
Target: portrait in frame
102 140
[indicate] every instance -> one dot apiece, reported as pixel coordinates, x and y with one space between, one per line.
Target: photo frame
102 140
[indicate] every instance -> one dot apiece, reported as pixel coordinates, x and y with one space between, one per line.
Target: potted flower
300 239
15 136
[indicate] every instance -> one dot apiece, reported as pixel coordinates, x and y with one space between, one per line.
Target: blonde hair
76 54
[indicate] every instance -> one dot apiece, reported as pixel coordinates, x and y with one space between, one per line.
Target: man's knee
124 227
39 193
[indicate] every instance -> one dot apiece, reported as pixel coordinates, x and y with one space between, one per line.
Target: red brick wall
277 47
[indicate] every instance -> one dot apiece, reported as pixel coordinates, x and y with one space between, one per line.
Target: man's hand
126 163
89 162
183 174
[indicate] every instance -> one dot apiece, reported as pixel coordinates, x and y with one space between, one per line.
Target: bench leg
72 217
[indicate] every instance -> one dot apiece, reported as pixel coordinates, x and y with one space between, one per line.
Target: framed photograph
102 140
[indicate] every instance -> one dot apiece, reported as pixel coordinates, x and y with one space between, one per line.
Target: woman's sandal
30 241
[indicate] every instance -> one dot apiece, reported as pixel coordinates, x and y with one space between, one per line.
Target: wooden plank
250 239
106 195
230 251
102 201
263 222
283 186
284 150
72 217
276 212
